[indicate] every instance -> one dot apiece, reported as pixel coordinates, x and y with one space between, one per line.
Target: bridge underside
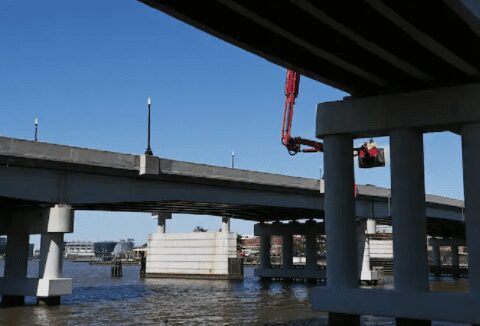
362 47
256 213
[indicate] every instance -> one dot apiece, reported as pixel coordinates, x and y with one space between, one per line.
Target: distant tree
199 229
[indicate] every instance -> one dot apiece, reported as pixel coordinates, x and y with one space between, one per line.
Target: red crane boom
294 144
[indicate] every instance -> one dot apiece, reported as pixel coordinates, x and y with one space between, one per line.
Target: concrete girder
332 58
423 39
375 49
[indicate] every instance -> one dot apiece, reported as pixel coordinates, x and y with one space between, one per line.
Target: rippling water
98 299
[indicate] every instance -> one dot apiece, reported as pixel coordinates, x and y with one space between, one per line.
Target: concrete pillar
287 250
265 251
51 284
162 221
471 184
16 264
371 226
455 261
311 252
51 250
225 224
437 264
340 224
363 251
162 225
408 214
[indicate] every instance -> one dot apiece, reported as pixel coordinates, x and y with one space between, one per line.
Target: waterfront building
104 249
79 249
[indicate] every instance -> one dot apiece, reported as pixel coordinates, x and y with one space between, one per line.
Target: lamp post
233 160
148 151
36 129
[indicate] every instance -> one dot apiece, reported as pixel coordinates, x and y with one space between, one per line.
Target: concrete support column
287 250
162 225
225 224
455 261
51 285
311 252
16 264
51 250
162 221
471 184
437 264
265 251
363 251
411 270
340 225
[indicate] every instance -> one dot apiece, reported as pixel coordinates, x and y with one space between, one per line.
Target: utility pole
36 129
148 151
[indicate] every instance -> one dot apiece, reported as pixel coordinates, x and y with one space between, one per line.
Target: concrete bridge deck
362 47
39 174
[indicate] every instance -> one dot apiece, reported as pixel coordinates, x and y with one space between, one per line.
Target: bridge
410 67
41 185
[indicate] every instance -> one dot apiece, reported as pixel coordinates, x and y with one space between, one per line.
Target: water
98 299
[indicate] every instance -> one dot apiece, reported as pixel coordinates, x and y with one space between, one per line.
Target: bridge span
41 185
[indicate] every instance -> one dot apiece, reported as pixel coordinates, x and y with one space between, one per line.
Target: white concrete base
54 287
195 253
371 276
36 287
455 307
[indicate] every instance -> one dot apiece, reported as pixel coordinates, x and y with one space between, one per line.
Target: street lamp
36 129
148 151
233 160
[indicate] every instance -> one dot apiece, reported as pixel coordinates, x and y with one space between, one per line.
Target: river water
98 299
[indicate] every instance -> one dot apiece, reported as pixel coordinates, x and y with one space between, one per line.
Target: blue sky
85 69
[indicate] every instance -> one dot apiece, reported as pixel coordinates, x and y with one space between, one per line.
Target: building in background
104 249
124 248
79 250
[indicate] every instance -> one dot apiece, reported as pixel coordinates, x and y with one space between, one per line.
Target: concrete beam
373 48
445 306
434 110
468 10
423 38
321 53
446 242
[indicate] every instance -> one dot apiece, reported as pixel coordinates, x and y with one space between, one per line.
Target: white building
79 249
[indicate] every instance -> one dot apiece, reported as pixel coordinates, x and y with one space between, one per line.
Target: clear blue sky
85 69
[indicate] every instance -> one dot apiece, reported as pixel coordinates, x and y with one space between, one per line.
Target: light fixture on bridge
36 129
148 151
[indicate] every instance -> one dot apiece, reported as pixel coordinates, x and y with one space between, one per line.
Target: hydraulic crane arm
294 144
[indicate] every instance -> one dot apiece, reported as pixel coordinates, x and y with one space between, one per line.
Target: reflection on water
101 300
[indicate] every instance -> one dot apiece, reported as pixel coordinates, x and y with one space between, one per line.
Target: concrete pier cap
60 219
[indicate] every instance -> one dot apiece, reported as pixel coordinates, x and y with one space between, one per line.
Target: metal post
36 129
148 151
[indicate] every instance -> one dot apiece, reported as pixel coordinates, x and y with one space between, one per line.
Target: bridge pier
405 118
437 262
16 263
18 224
288 270
408 215
471 183
340 224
